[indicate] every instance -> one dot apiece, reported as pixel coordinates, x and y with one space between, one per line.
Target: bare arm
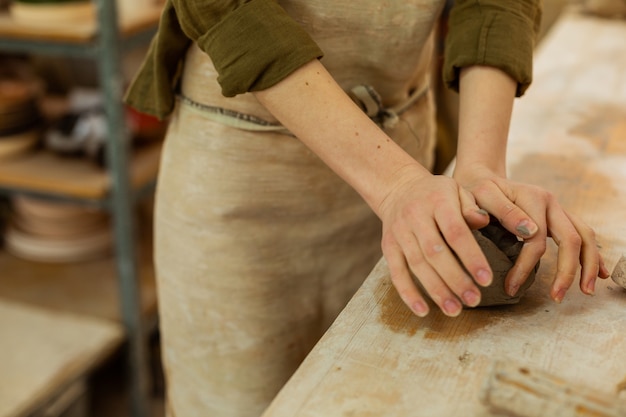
532 213
313 107
416 207
426 218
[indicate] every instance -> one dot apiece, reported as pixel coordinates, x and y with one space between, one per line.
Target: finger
430 279
433 284
513 218
438 291
590 258
440 273
458 237
532 251
570 243
447 269
401 278
475 217
604 271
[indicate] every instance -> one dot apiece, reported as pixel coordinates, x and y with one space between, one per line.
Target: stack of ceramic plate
47 231
19 118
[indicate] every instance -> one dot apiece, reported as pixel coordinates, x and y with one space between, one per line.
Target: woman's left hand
534 214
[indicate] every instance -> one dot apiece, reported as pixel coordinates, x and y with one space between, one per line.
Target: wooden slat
80 32
44 351
77 177
568 135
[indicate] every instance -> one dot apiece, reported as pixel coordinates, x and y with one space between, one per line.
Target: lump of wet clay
619 272
501 248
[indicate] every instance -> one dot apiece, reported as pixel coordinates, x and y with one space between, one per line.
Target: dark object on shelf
20 119
82 130
78 134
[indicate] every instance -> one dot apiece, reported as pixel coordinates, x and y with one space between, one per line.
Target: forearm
486 102
315 109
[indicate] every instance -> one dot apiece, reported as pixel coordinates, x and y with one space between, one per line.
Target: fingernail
512 289
452 308
471 298
420 309
526 228
483 277
560 295
591 287
483 212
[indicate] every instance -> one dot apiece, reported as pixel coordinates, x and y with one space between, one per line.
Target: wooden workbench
568 135
45 352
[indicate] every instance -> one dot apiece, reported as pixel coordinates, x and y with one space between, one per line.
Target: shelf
78 33
46 173
86 288
110 288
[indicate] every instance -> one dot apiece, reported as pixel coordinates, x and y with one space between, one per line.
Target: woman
299 127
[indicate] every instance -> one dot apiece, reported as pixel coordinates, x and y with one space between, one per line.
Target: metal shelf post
117 150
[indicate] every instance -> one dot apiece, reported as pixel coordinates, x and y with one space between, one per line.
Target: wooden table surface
43 352
569 135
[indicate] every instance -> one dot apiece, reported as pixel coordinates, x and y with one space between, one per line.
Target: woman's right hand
427 219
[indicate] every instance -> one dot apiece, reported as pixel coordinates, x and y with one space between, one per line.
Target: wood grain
568 135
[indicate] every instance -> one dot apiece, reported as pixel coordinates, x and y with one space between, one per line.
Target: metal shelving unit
105 47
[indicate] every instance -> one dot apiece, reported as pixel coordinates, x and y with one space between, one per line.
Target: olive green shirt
254 44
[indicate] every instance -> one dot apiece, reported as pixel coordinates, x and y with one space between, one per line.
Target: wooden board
569 135
42 352
78 177
79 32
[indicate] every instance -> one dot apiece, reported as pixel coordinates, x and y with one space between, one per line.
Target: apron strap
365 96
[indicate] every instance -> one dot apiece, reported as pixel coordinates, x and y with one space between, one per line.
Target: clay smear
619 272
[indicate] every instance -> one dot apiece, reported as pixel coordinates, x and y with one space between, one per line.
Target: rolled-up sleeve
497 33
253 44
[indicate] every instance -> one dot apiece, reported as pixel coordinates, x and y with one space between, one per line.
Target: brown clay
501 248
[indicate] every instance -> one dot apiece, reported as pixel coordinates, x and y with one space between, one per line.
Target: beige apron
258 244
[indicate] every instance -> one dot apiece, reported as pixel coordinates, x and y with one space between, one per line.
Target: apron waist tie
365 96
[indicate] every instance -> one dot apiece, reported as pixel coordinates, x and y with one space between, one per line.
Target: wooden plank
568 135
510 390
80 32
45 171
43 352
